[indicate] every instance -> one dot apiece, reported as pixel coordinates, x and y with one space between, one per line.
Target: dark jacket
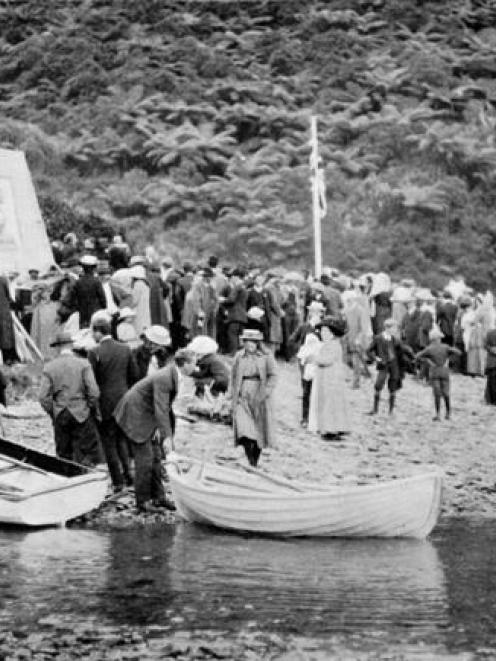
158 293
259 299
380 348
86 297
446 318
183 285
410 329
212 370
7 337
115 372
142 356
147 407
235 304
490 347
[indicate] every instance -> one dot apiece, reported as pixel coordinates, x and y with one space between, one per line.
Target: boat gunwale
72 482
335 490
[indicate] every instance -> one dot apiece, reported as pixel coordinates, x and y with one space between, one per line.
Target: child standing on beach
437 356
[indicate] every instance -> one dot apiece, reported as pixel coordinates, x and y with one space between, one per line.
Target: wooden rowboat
251 501
37 489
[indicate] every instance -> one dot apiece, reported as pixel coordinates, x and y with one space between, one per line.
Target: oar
21 464
281 481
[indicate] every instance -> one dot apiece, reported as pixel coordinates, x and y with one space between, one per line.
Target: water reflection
442 591
193 577
311 585
50 571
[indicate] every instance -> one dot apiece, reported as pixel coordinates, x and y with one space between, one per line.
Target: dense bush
187 124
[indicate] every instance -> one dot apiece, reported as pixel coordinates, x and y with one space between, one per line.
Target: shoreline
378 448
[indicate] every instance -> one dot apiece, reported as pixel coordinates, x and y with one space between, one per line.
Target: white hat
435 333
137 272
127 313
88 260
315 306
203 345
255 313
136 260
158 335
424 294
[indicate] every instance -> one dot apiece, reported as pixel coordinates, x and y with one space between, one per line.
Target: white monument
24 242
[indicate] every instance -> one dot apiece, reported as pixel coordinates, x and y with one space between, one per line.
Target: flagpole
314 165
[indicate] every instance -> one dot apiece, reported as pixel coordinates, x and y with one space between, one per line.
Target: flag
317 173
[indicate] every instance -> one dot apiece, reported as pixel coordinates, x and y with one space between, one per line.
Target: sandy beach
378 447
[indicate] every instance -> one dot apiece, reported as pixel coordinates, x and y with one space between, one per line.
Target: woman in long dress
253 378
328 404
44 324
141 299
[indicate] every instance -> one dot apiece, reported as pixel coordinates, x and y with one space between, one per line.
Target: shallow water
441 591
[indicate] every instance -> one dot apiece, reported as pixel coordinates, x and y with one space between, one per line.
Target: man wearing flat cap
69 394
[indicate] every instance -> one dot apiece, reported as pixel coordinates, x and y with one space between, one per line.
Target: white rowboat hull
37 489
54 506
406 507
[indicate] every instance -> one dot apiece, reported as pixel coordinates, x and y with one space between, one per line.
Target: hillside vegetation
186 123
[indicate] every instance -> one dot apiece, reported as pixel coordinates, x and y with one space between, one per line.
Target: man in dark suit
388 354
235 304
115 372
447 312
86 296
145 414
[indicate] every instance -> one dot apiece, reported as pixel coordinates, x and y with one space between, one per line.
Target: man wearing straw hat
69 394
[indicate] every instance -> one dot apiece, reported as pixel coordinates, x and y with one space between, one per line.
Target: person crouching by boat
69 394
437 356
145 416
253 379
328 414
211 371
388 353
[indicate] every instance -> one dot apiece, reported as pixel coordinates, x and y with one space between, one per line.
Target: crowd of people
119 331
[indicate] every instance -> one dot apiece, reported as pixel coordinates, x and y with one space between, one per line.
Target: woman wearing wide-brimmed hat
253 379
328 404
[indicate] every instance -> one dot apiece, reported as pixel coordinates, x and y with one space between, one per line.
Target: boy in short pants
437 356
